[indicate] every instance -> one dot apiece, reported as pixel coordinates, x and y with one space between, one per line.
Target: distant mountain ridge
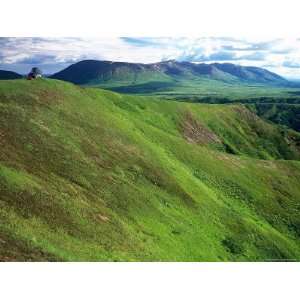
93 72
7 75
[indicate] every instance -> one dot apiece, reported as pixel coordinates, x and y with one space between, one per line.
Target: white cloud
281 56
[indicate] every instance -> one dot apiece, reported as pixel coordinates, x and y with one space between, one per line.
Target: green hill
189 82
7 75
91 175
287 114
108 73
136 77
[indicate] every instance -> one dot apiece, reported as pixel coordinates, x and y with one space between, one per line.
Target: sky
281 56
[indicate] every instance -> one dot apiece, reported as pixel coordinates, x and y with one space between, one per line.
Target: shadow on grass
145 88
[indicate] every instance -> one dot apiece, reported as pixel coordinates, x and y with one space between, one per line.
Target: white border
149 281
235 18
111 18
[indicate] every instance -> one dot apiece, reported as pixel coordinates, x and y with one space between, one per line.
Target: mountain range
93 72
141 78
6 75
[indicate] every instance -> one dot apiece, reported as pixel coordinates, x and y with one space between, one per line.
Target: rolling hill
6 75
92 175
190 82
92 72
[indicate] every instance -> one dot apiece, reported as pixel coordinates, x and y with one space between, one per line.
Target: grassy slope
277 104
202 89
282 113
86 174
127 78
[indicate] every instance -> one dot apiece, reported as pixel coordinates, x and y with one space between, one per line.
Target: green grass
202 90
91 175
286 114
280 105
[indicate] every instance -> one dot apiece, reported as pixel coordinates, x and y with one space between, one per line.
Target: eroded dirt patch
102 218
195 132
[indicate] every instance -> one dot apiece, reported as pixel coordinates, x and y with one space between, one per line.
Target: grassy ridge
87 174
276 104
200 83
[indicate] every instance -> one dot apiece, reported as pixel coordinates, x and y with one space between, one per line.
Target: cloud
37 59
216 56
222 56
53 54
256 56
140 42
290 64
246 46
